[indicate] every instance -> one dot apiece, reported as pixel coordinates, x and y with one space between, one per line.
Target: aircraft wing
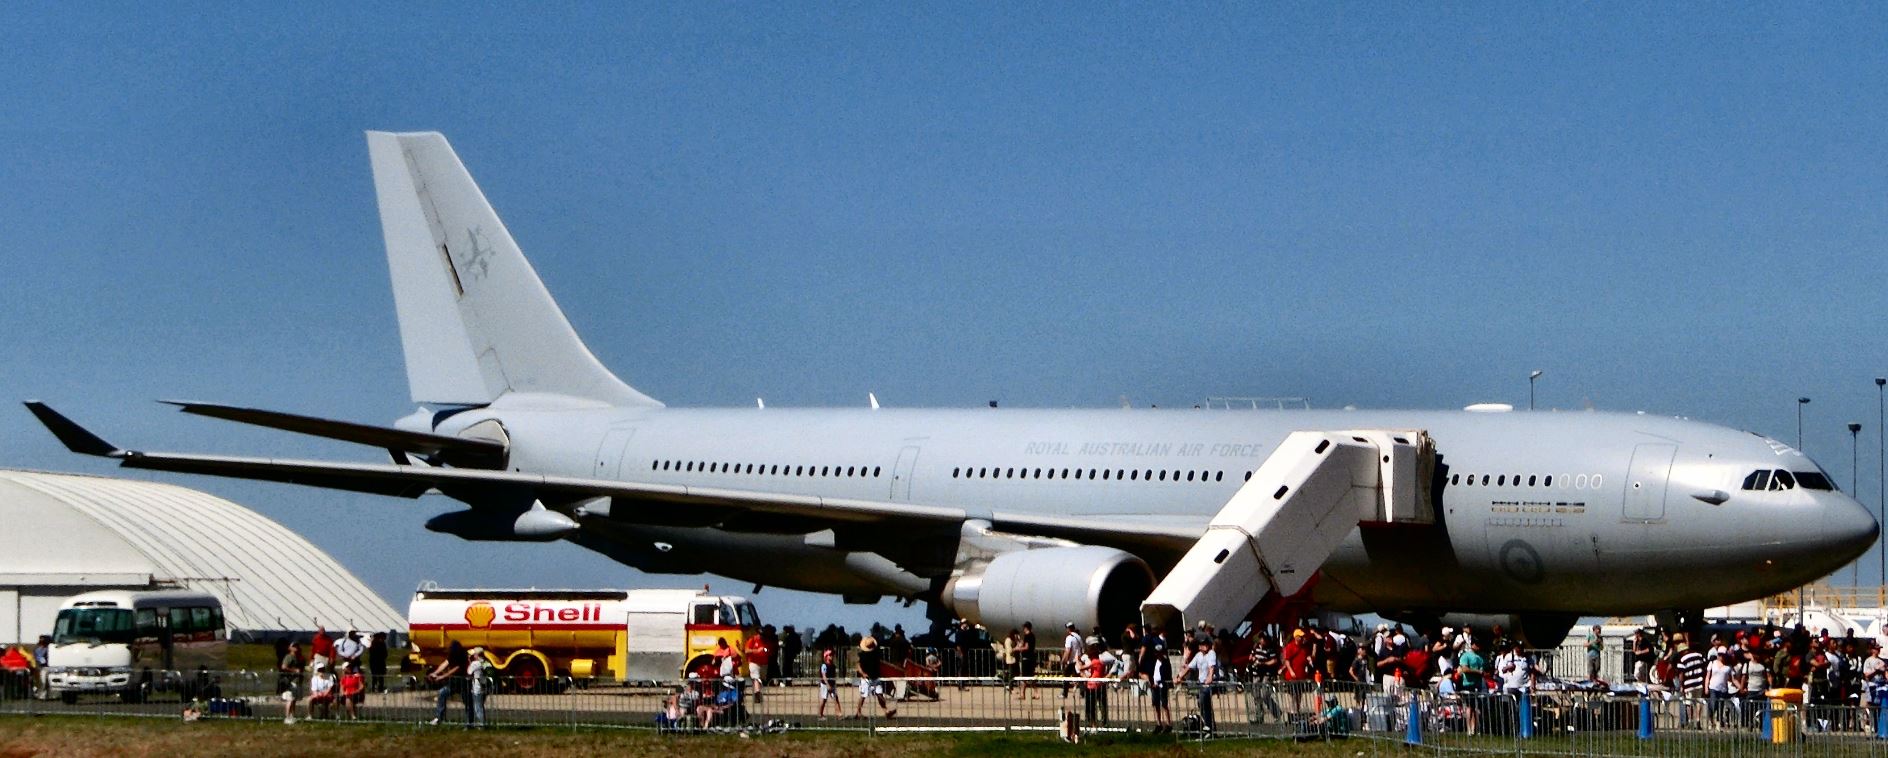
458 451
411 481
1159 540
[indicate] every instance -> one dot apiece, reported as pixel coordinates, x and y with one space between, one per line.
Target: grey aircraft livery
1101 516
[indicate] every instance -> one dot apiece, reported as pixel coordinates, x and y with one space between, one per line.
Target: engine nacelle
1536 630
1091 586
534 524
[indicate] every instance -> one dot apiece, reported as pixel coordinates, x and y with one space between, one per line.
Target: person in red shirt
757 656
353 689
321 648
1294 663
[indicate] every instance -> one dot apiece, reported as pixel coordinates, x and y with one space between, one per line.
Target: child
828 672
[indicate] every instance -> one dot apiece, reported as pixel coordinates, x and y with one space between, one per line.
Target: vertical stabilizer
475 320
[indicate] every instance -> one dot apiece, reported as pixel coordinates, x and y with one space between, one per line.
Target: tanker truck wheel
527 675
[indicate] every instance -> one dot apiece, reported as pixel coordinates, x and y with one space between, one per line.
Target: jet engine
1091 586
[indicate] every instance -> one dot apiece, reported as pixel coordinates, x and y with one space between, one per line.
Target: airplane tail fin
475 320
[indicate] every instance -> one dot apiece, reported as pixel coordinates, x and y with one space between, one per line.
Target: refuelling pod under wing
534 524
1284 523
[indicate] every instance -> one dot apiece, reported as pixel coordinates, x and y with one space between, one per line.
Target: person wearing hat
320 691
478 675
869 674
353 690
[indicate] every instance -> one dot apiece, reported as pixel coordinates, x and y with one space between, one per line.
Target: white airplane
1003 516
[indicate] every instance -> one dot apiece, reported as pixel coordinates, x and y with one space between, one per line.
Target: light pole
1800 402
1801 593
1855 465
1881 482
1530 387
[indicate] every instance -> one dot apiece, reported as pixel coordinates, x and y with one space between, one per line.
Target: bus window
748 618
147 622
216 617
179 620
100 625
200 620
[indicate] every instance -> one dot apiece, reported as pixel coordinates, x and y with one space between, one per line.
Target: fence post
1645 717
1524 708
1413 733
1881 720
1764 730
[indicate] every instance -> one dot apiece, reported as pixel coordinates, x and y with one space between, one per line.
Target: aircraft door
1645 482
901 473
610 452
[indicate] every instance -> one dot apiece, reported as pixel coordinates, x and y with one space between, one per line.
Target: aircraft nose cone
1848 527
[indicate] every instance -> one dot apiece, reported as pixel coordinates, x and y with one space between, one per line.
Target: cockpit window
1758 480
1813 480
1777 480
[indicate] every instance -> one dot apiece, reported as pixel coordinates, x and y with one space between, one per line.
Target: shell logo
479 615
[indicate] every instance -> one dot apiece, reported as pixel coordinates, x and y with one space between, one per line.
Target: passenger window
1530 480
704 614
147 619
179 620
1484 480
200 620
1548 482
1219 476
1501 481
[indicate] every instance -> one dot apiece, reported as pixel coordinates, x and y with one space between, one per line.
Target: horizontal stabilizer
456 451
70 434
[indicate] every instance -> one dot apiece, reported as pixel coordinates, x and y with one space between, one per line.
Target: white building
64 534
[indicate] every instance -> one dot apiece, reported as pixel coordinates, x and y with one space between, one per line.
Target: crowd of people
335 675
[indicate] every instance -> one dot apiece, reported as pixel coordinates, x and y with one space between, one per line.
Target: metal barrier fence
1563 722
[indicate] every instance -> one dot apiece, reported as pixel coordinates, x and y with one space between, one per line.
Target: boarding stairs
1284 523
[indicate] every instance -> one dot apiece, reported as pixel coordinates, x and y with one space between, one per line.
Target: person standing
828 684
1071 656
348 649
1159 672
449 677
377 661
321 648
1595 651
42 655
478 679
757 663
1204 666
1026 659
869 674
791 646
288 680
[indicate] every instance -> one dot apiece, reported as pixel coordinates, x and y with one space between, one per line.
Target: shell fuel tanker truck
535 637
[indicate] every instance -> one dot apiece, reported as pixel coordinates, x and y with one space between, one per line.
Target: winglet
73 436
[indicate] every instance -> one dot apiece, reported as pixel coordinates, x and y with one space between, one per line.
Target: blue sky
1670 209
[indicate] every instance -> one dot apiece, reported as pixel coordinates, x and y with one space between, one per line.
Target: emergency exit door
901 473
1645 482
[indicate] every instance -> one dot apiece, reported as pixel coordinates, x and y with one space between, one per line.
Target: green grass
79 735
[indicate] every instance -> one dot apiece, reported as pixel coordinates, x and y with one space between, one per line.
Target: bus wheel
527 675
